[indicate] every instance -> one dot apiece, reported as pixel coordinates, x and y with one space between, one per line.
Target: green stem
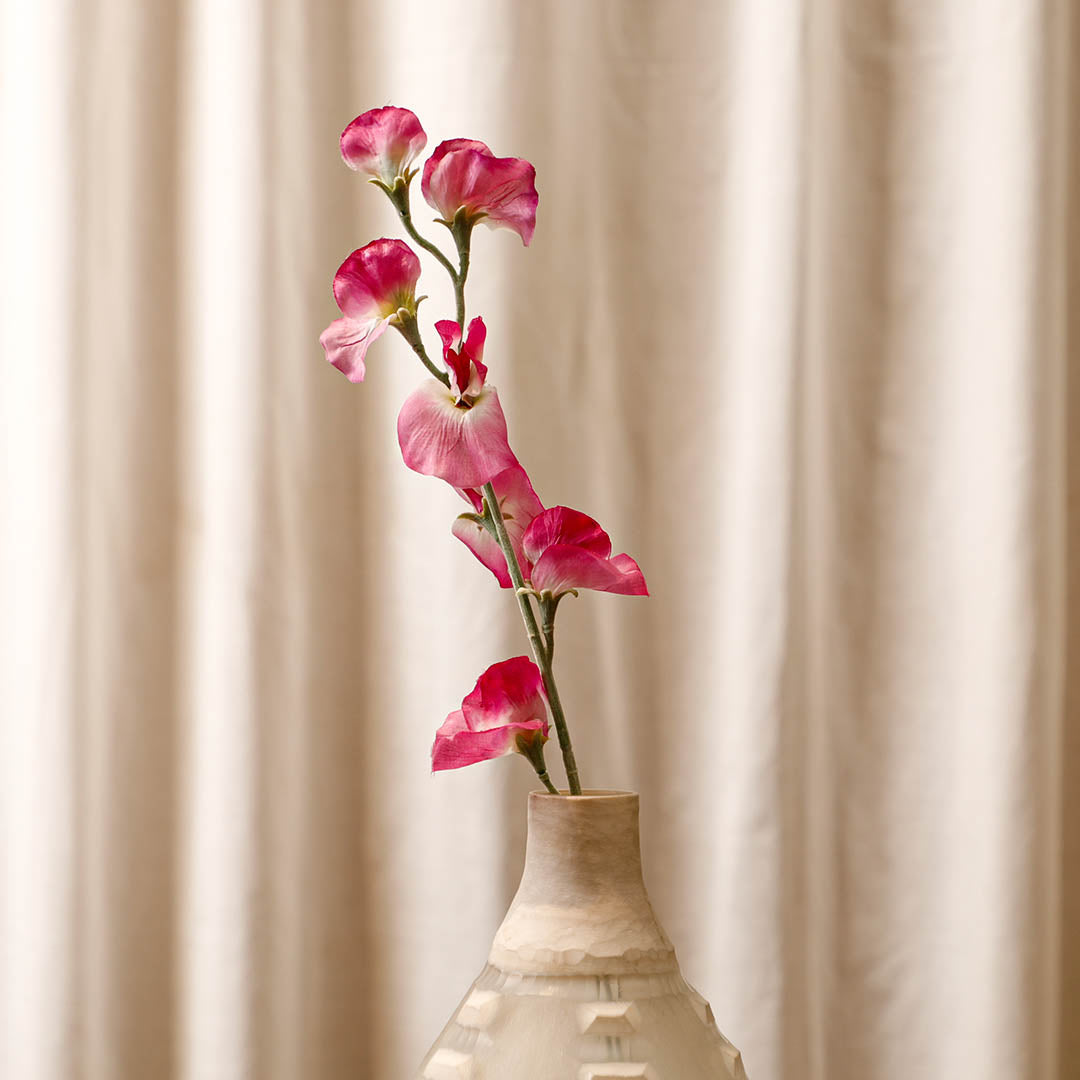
539 651
461 230
410 330
400 198
546 781
422 353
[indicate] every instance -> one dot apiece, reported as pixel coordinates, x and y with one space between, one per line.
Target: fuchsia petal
507 700
563 567
377 279
346 343
509 692
561 525
449 332
519 504
474 343
466 447
433 194
463 173
383 142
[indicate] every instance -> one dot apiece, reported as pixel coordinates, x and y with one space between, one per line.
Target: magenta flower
568 550
519 505
506 705
457 433
383 143
464 174
371 285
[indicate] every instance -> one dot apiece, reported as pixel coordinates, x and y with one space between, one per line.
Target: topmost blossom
383 143
465 175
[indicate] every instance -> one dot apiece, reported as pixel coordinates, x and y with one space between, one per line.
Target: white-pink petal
466 447
346 343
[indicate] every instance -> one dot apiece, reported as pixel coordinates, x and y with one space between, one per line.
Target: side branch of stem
539 649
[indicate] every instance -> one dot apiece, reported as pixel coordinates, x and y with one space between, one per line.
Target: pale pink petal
377 279
383 142
509 692
561 525
466 447
346 343
519 504
563 567
484 546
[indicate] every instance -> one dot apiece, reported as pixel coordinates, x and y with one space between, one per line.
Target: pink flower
464 174
383 143
519 504
457 433
464 363
507 704
568 550
369 287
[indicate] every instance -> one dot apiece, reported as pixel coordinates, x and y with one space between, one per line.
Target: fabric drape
799 326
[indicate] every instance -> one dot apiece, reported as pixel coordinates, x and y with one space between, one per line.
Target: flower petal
377 279
484 546
466 447
383 142
450 333
455 747
561 525
509 692
519 504
463 173
474 343
563 567
346 343
436 190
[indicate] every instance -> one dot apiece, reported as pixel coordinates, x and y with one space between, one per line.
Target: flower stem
399 196
546 781
410 331
539 650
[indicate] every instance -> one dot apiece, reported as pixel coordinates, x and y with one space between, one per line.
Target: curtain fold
798 326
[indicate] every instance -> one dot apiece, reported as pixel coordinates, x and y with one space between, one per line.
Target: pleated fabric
799 325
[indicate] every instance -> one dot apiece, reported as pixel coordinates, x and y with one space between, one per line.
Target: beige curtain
799 326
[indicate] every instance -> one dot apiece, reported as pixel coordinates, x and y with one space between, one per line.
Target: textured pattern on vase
570 1027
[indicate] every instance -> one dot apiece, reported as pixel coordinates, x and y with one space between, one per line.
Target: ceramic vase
582 982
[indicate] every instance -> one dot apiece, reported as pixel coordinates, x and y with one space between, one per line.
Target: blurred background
799 326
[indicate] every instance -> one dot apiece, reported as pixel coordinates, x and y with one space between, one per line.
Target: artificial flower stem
399 196
410 331
540 652
546 781
422 353
461 230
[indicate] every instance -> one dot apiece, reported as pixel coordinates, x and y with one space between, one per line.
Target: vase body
582 982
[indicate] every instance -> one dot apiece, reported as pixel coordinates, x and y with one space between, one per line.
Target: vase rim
592 794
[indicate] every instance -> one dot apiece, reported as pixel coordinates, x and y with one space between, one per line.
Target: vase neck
581 907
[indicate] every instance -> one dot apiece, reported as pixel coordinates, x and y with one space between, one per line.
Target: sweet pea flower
383 143
457 433
568 550
370 287
519 505
464 174
506 711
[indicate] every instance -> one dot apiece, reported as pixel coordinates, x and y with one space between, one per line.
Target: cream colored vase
582 982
